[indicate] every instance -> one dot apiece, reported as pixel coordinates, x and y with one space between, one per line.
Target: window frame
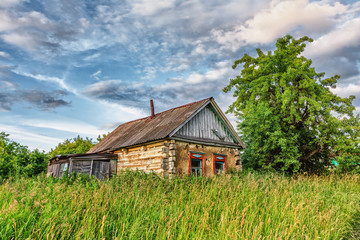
215 155
202 158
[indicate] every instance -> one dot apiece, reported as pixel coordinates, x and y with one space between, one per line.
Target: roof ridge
156 114
185 105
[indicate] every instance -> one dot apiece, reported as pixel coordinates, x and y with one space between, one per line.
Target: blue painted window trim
218 154
197 152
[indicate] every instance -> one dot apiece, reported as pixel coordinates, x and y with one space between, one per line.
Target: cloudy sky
71 68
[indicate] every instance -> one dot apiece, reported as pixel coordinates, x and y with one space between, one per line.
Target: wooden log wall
169 157
148 157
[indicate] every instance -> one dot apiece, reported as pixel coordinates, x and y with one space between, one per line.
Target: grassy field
138 206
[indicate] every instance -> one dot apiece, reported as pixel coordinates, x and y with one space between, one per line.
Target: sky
70 68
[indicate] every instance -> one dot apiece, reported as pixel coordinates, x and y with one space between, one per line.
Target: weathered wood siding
203 124
182 157
148 157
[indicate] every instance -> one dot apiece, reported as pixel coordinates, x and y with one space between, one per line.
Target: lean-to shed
100 165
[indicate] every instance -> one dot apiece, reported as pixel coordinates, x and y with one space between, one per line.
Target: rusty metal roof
84 156
147 129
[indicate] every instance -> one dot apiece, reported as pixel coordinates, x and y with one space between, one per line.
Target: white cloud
10 21
280 18
9 86
347 90
21 40
343 36
149 73
149 7
60 81
30 139
220 72
76 127
33 31
92 57
10 3
103 85
15 28
211 75
4 54
119 112
96 75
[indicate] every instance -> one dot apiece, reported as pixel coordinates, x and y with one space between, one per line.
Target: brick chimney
152 108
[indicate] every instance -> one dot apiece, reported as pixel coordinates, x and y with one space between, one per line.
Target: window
196 164
63 168
100 169
219 166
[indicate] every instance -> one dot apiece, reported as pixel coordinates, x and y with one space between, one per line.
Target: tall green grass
139 206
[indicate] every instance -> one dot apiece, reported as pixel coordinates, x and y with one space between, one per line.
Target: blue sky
71 68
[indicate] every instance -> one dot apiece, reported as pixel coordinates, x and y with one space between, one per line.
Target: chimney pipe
152 108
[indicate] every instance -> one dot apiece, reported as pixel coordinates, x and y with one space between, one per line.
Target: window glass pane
196 172
196 167
64 167
219 167
195 163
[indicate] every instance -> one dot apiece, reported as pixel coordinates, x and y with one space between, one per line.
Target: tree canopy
73 146
288 116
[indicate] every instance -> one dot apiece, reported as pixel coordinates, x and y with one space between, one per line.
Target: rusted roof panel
147 129
84 156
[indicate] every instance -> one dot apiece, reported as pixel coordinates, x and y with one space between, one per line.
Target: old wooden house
194 139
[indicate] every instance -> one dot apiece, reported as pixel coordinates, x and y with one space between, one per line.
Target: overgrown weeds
134 205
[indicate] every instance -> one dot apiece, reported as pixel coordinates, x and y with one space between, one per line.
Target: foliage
101 137
17 160
73 146
288 116
348 163
134 205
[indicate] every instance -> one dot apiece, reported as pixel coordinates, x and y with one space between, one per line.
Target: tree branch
312 153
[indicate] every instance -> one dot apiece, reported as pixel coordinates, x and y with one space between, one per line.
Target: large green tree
288 115
18 160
